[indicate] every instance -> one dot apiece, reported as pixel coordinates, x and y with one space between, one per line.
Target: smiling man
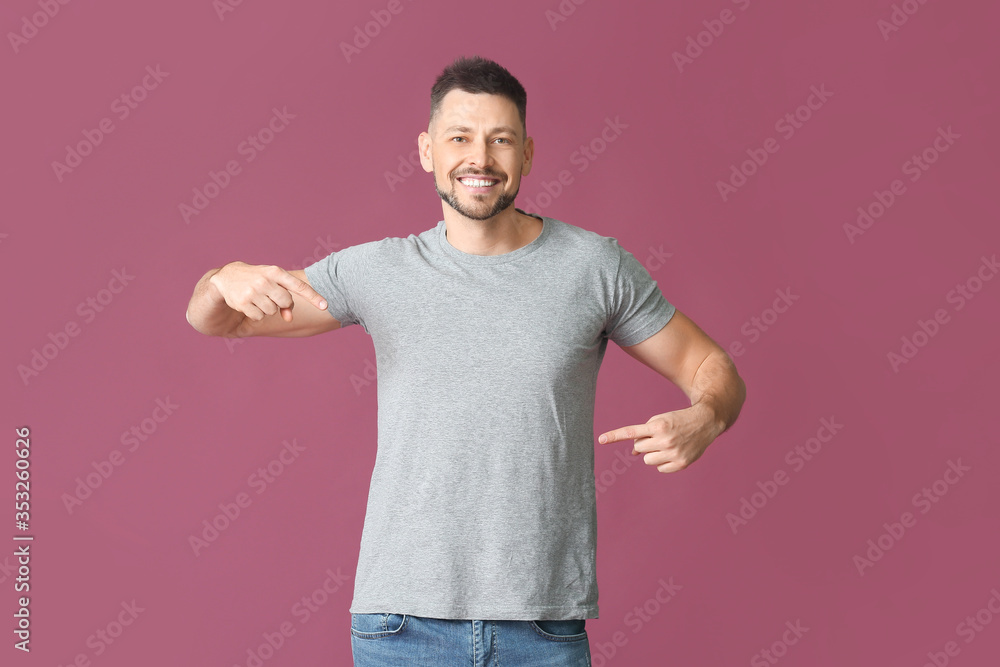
496 192
479 542
477 147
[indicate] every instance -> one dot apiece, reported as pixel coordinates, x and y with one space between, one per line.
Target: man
480 534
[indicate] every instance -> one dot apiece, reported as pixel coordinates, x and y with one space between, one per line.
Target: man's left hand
670 441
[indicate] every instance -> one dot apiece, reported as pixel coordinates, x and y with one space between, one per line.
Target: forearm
719 388
208 312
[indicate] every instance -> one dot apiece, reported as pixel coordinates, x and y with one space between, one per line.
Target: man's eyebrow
500 128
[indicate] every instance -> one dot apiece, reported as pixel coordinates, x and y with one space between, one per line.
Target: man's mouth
478 184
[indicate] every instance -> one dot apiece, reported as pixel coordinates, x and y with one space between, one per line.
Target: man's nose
479 155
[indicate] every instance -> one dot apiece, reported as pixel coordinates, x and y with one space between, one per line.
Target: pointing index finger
626 433
289 281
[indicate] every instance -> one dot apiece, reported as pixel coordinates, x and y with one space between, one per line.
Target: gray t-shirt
482 502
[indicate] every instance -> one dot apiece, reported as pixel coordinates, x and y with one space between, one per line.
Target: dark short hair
476 74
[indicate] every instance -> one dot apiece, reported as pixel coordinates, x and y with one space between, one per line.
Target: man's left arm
685 355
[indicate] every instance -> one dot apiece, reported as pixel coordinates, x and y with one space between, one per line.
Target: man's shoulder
596 247
391 245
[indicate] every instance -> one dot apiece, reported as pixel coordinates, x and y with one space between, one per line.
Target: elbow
187 316
196 325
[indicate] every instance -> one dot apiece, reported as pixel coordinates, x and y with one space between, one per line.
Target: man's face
478 152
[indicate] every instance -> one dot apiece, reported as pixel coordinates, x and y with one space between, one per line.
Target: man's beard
502 202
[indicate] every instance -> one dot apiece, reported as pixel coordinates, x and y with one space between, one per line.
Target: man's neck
499 235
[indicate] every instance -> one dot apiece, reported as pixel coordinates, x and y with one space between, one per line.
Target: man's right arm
239 300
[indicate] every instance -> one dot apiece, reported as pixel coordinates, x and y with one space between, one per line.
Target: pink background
321 185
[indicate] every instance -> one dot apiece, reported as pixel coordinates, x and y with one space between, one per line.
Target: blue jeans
401 640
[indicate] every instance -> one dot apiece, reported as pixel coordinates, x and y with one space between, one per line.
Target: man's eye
462 138
504 139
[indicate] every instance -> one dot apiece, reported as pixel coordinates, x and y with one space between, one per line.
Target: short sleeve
638 309
334 277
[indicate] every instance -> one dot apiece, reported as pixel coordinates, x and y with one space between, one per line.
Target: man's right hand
258 291
240 299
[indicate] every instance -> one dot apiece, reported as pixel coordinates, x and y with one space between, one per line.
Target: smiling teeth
477 184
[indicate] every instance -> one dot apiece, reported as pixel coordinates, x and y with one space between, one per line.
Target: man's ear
529 155
424 148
